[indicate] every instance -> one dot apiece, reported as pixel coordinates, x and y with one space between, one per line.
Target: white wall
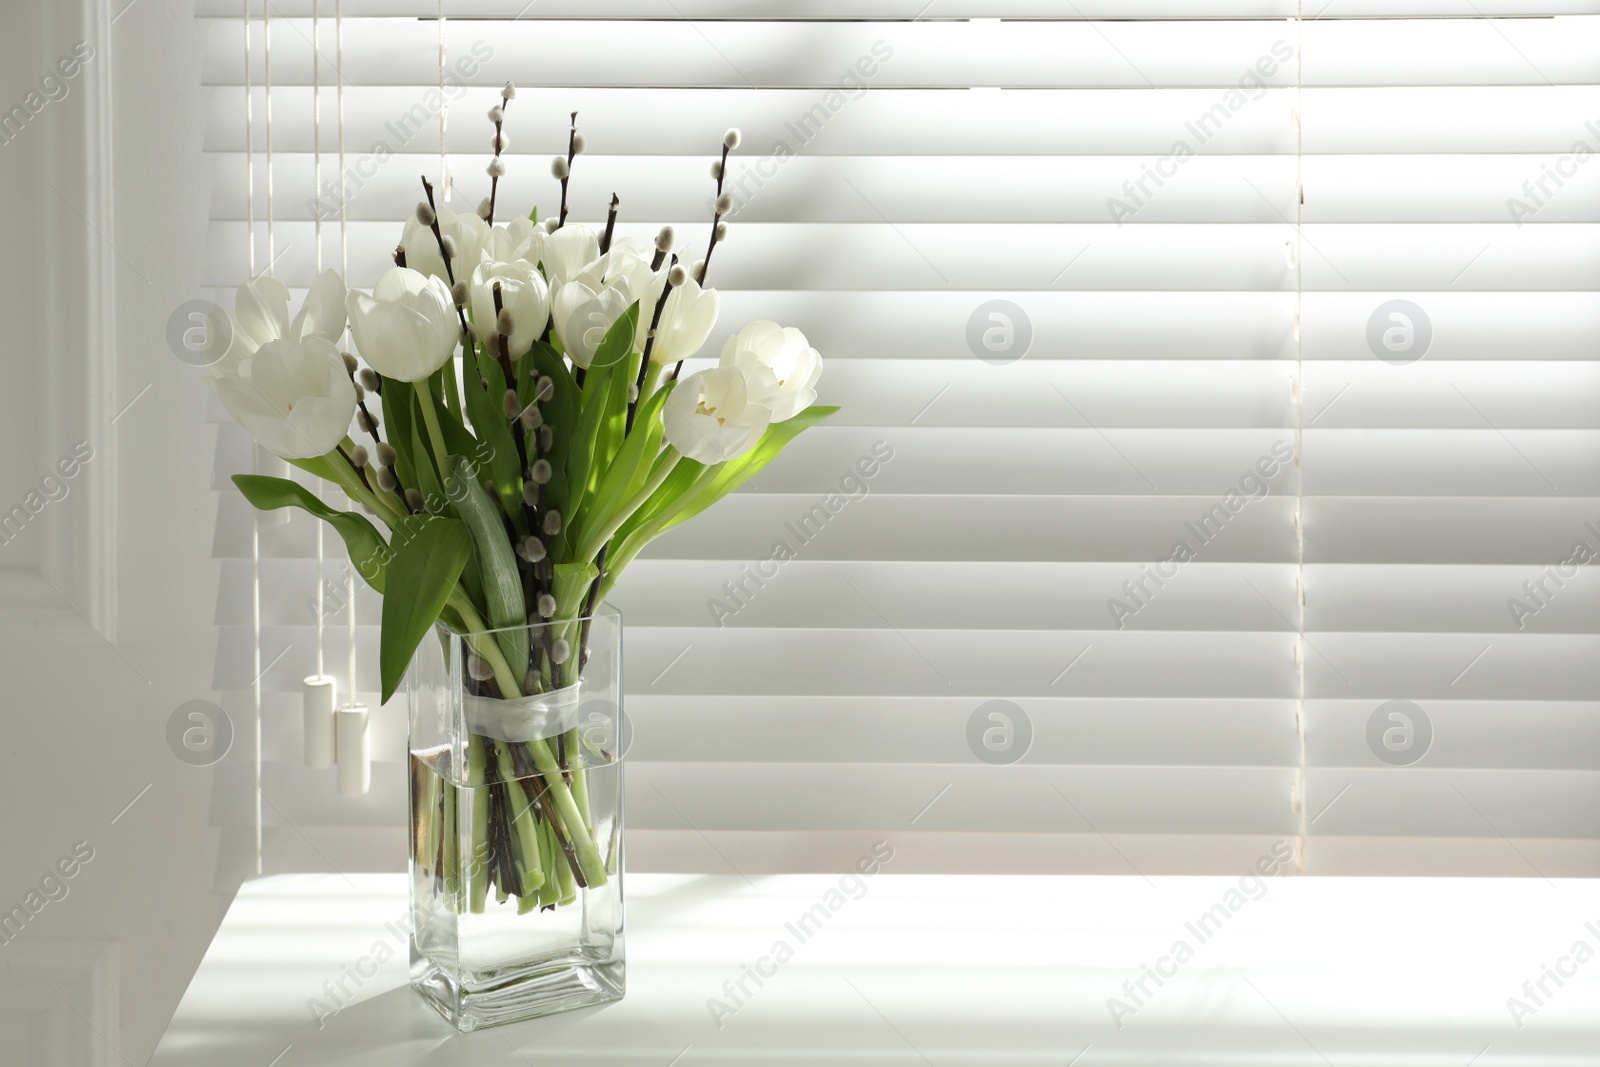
84 721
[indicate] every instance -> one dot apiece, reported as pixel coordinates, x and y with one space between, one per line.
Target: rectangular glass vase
516 820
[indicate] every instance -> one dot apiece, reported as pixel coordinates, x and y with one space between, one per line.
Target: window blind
1219 383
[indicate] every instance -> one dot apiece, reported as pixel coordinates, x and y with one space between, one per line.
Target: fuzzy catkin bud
552 523
546 605
722 232
547 437
484 208
349 362
386 481
561 651
364 421
551 225
716 170
361 392
510 404
731 139
531 549
496 168
425 213
530 494
559 168
545 388
501 142
449 246
540 473
664 239
699 268
386 454
724 203
677 275
497 114
633 392
368 379
358 456
479 668
532 418
458 291
580 144
509 92
502 323
414 499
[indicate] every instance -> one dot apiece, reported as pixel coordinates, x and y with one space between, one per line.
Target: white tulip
588 301
518 239
408 327
567 251
296 399
523 293
583 317
469 233
709 417
261 314
779 367
686 319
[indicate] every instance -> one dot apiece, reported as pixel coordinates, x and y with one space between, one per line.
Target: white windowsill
943 969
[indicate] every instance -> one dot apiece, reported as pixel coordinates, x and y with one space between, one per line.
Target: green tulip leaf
430 552
367 549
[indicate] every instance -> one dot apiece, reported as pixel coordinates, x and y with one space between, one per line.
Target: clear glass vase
516 820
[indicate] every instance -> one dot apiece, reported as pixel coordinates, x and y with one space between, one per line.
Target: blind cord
1301 785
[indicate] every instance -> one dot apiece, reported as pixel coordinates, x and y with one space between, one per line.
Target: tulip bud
664 239
349 362
677 275
496 168
580 144
414 500
425 213
731 139
545 388
501 141
497 114
368 379
509 92
716 170
552 522
386 480
561 651
540 473
530 494
722 232
531 549
510 404
358 457
559 168
386 454
546 605
479 668
724 203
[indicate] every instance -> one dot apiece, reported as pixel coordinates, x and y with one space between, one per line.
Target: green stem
633 504
346 476
430 417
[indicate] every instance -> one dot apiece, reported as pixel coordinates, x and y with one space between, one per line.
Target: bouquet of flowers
522 431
